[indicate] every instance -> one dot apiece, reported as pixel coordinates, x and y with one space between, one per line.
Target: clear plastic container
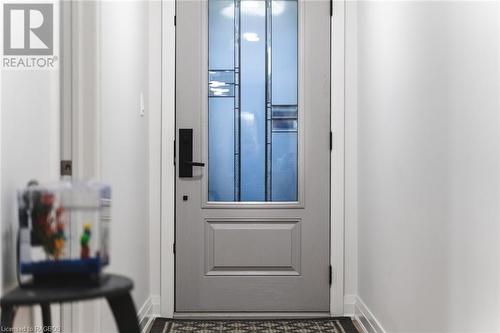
64 230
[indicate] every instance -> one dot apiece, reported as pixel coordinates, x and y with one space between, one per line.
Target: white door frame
167 263
80 116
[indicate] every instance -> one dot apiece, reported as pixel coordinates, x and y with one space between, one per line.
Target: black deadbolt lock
186 153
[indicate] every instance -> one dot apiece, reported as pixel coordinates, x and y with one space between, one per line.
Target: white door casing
166 267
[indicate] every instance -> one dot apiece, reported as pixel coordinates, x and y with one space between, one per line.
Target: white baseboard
368 322
145 309
147 313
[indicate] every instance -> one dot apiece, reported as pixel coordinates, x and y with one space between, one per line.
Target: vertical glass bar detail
269 94
237 107
253 100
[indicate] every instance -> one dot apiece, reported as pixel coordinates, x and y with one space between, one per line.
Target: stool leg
7 320
124 312
46 318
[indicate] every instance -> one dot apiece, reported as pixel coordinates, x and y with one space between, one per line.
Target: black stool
115 288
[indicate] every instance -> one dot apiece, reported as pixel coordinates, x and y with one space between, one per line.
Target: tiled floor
325 325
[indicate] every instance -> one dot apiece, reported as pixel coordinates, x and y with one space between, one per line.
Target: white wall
351 168
29 144
110 64
156 149
124 140
111 70
429 161
29 149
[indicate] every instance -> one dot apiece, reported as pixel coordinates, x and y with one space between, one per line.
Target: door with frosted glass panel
253 157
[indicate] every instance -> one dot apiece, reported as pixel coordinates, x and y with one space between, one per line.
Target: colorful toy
84 242
65 220
49 229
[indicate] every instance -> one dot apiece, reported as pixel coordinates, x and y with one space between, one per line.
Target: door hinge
175 20
331 8
331 141
174 152
174 248
66 168
330 276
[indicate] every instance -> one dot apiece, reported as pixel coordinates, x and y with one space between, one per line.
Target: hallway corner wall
429 155
124 151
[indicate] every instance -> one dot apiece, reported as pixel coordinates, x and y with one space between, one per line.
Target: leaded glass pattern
253 100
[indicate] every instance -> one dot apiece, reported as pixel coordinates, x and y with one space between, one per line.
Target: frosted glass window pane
284 178
253 89
284 52
221 34
221 149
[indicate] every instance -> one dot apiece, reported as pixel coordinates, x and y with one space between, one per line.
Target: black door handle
186 163
198 164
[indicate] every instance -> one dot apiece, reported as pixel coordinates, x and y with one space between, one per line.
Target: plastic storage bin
64 232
